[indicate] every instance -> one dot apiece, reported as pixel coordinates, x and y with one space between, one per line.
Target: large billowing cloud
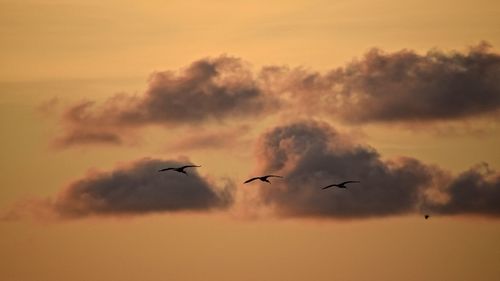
207 90
400 87
311 155
139 188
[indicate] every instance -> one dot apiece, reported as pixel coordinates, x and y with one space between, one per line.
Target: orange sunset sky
97 96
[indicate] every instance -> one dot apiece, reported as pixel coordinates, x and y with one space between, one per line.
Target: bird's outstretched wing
272 176
252 179
166 169
188 166
346 182
328 186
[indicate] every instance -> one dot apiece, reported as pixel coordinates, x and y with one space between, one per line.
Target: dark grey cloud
311 155
474 192
401 86
207 90
138 188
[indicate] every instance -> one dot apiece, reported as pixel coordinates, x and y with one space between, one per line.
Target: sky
97 96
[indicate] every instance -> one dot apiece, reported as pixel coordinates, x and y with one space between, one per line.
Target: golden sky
282 63
116 39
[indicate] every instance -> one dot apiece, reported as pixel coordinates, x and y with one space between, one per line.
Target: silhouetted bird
340 185
426 216
179 169
263 178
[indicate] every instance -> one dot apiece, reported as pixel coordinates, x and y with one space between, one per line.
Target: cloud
311 155
401 86
207 90
475 192
135 188
87 137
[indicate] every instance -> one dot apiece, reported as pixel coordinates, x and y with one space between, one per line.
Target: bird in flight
263 178
340 185
426 216
179 169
